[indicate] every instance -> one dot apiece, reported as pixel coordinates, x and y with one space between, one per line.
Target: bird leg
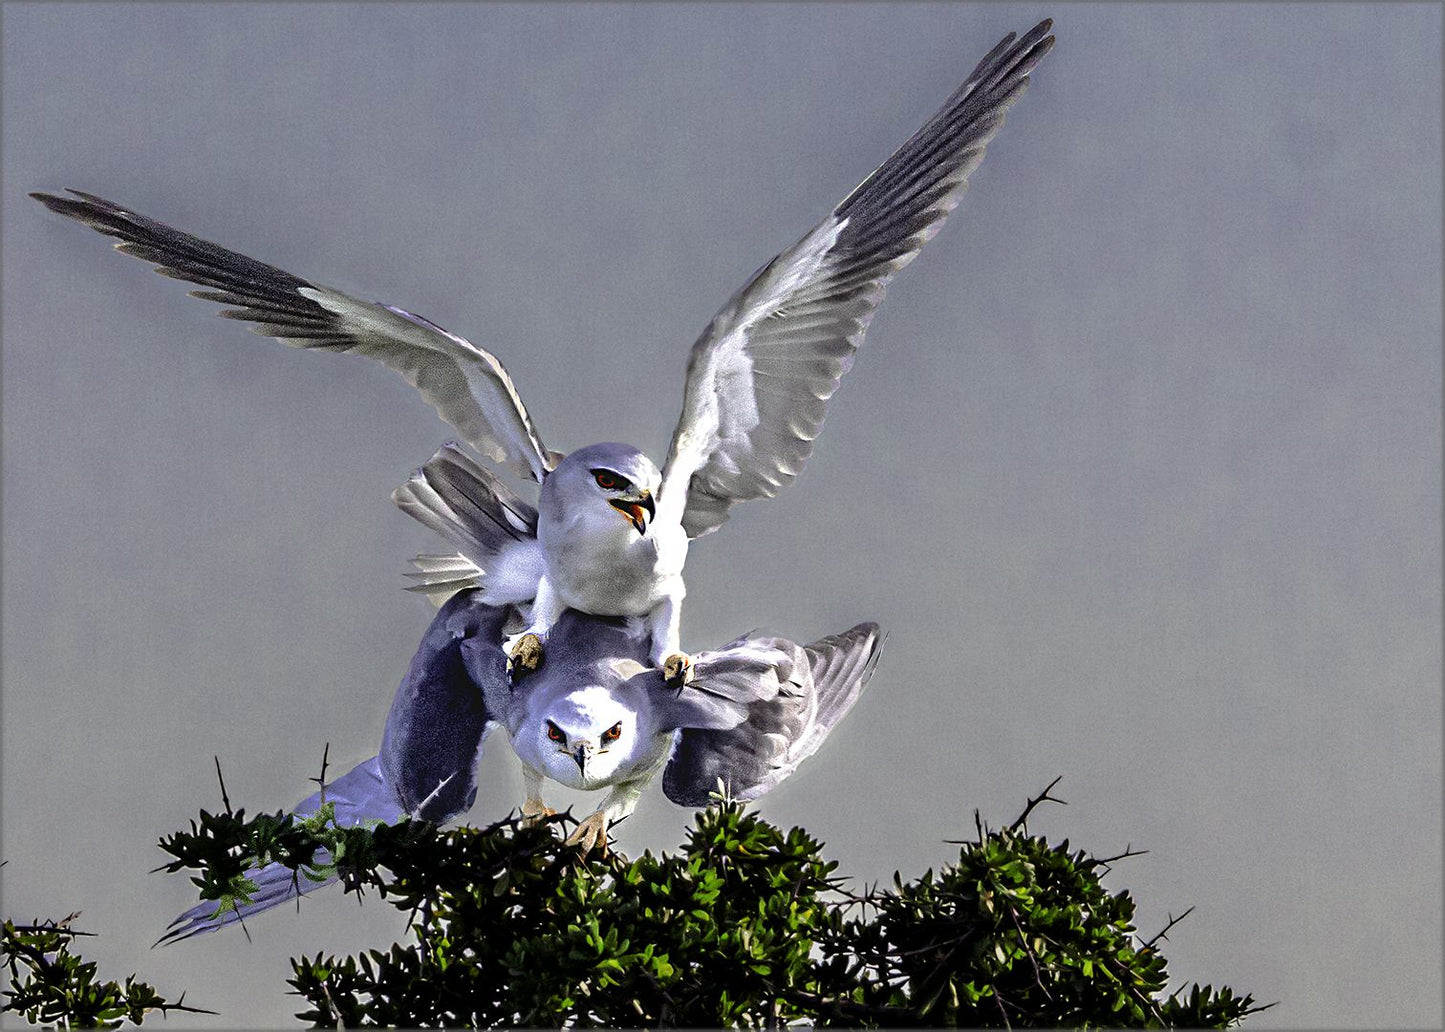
663 629
527 654
591 833
534 811
621 801
526 651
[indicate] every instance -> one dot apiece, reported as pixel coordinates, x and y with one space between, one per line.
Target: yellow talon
535 812
526 655
677 669
590 834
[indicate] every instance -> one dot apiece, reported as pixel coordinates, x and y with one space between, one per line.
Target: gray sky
1140 465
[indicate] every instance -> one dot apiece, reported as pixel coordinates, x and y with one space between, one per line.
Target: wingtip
1040 36
52 201
172 936
55 201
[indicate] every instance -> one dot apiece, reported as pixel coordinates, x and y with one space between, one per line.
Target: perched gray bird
593 717
611 530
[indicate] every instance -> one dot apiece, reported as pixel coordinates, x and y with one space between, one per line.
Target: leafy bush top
745 925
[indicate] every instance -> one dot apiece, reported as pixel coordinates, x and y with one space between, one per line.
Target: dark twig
1129 851
1033 957
333 1013
58 929
225 799
1164 932
999 999
180 1005
320 780
1022 821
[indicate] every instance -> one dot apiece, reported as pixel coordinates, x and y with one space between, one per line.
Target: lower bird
594 717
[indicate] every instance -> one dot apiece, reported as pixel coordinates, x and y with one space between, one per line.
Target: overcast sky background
1140 465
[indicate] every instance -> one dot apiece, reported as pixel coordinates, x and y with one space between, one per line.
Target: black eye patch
610 481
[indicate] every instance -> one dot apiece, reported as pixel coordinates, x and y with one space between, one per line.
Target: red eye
613 733
555 733
605 480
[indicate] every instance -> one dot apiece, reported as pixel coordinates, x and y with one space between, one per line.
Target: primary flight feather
610 532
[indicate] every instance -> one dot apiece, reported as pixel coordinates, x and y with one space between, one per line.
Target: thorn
225 799
321 780
1022 821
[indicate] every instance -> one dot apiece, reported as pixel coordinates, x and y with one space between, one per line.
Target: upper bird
611 531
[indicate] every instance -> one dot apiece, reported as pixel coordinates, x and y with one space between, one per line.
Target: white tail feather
440 577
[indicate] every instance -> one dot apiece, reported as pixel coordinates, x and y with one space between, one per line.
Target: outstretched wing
810 693
454 692
466 385
759 378
726 684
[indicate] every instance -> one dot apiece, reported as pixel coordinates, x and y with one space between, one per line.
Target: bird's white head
586 738
616 476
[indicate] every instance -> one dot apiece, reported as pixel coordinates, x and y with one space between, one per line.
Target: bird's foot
534 812
526 656
590 834
677 669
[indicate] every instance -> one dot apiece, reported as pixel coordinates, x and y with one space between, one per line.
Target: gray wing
759 378
452 695
816 687
466 385
726 684
429 751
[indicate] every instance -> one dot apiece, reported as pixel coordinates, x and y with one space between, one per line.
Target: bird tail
473 510
440 577
362 794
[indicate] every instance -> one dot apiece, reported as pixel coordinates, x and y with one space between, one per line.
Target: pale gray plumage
821 683
754 710
757 386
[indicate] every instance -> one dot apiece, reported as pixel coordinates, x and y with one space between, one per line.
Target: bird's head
617 476
585 737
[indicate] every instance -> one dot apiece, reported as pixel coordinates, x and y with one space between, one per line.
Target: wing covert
789 711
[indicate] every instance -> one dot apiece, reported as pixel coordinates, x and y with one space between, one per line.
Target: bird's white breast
598 563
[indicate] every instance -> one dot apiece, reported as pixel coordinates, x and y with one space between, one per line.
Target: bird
594 717
611 530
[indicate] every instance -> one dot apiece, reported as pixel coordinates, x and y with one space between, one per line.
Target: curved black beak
634 507
580 755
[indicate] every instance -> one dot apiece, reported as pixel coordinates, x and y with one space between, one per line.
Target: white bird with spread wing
610 533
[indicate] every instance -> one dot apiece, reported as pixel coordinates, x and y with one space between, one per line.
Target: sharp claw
590 834
536 813
677 669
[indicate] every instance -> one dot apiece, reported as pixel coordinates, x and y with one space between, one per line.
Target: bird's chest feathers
600 564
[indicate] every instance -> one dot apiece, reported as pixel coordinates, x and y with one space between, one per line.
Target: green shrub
744 925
